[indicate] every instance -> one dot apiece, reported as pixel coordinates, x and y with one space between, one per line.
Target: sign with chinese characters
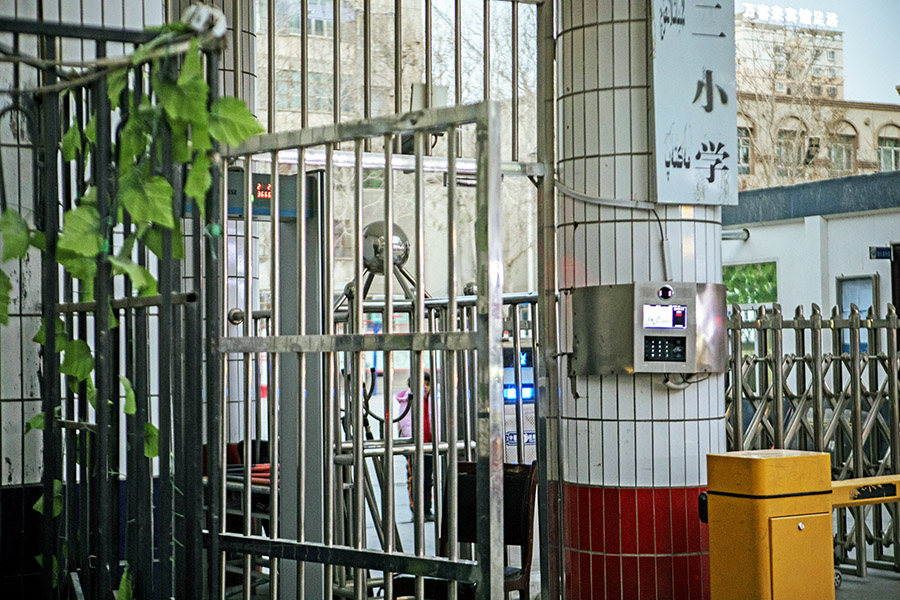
790 16
694 102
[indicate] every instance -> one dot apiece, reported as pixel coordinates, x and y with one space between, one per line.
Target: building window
832 72
832 91
789 152
744 141
289 91
816 90
840 151
889 153
319 19
831 55
779 86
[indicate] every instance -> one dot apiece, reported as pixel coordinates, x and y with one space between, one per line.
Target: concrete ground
878 585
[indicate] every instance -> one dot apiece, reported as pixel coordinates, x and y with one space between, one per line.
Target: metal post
818 379
856 424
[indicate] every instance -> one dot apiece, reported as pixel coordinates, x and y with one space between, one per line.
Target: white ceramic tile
643 399
595 433
640 141
718 440
676 404
590 12
677 454
621 60
627 454
578 129
604 11
610 453
577 13
623 249
594 392
644 453
622 100
659 403
623 177
692 401
592 258
692 452
604 54
621 10
688 251
609 398
10 358
584 452
701 252
11 436
591 132
565 15
639 51
626 394
661 454
607 252
705 447
606 122
590 57
578 51
642 236
581 405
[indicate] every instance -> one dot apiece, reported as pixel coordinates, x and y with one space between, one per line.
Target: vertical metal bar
800 373
775 323
489 479
894 411
546 405
331 397
429 49
457 51
304 68
451 513
517 372
418 326
246 498
49 296
818 379
856 424
367 60
237 44
102 281
387 489
398 69
271 111
178 453
301 329
514 109
336 60
487 49
357 369
165 512
737 380
272 387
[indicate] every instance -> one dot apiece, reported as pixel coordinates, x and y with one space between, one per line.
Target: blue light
509 393
527 392
523 359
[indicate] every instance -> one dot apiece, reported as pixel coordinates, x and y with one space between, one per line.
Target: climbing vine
174 123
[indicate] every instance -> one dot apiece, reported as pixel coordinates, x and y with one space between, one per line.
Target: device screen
665 316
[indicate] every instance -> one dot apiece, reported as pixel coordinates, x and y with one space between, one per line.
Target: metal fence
828 384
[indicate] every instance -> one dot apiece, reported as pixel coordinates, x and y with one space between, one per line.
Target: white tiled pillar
634 451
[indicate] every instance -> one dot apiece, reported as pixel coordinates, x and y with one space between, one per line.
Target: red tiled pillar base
634 543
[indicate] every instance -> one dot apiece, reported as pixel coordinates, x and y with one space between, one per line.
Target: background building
794 124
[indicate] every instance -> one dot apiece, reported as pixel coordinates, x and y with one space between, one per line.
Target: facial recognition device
650 327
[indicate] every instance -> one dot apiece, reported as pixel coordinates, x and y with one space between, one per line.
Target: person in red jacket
403 399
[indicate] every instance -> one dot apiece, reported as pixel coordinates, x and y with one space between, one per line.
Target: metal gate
318 387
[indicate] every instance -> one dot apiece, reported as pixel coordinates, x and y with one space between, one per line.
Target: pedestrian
403 399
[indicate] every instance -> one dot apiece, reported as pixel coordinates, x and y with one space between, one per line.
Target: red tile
693 519
598 576
681 585
628 512
613 579
679 521
695 575
586 590
662 517
645 521
611 520
704 537
647 577
584 518
570 514
630 582
597 544
704 564
571 571
664 577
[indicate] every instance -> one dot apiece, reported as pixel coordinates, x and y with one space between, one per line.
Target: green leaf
115 84
111 320
147 198
198 181
57 499
91 393
90 132
151 440
71 142
185 99
152 238
133 142
38 240
89 198
200 141
81 232
78 266
230 122
59 334
181 153
125 592
35 422
130 403
15 234
5 289
141 277
77 360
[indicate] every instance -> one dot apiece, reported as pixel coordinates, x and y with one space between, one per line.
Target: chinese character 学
706 84
712 156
